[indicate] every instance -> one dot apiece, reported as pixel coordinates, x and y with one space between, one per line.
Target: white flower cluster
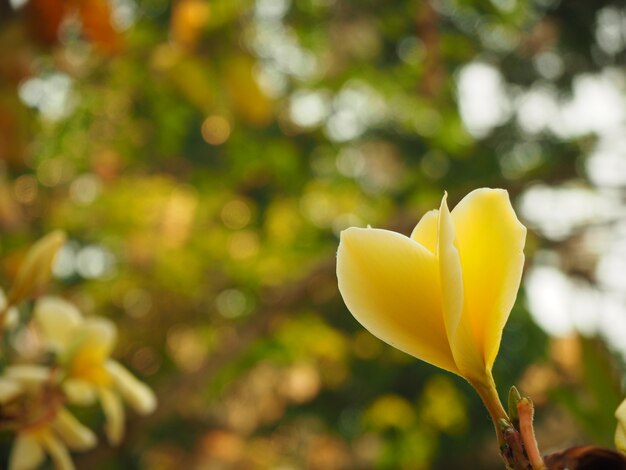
69 364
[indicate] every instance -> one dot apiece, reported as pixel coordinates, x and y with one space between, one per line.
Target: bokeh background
203 156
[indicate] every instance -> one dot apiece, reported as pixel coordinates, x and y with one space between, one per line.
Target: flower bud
35 271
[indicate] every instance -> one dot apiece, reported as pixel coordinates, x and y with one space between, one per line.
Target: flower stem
489 395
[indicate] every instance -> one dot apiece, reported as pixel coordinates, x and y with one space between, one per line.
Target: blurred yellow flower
83 347
443 294
52 437
45 426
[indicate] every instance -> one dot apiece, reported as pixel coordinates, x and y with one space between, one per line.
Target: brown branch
427 25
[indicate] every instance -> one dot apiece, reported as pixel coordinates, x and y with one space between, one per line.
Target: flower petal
93 345
11 319
466 352
138 395
9 389
114 414
58 321
98 335
3 300
425 232
79 392
26 454
73 432
490 240
57 451
29 376
620 438
390 284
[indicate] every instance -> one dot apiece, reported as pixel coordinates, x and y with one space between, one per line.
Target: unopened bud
36 270
514 398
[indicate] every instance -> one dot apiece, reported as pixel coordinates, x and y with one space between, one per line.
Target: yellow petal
620 432
98 335
490 241
425 232
26 454
72 432
9 389
29 376
466 352
620 413
58 321
3 300
138 395
57 451
390 284
88 356
79 391
11 317
114 414
620 438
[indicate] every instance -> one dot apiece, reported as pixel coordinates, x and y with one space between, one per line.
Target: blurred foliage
203 156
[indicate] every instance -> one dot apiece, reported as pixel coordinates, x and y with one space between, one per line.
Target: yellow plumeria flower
443 294
83 347
53 437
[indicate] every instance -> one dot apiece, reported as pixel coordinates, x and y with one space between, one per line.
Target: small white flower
84 347
53 438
